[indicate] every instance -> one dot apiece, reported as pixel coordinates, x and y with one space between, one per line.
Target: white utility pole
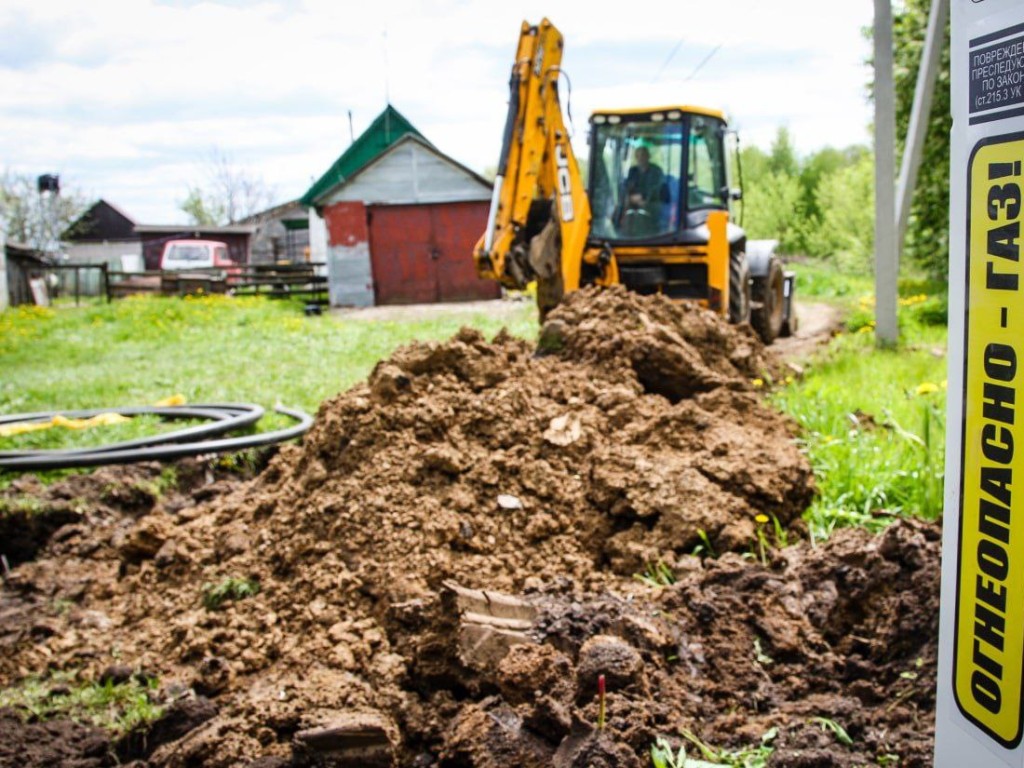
886 251
922 109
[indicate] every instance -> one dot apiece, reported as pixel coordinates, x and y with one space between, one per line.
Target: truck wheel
766 314
739 288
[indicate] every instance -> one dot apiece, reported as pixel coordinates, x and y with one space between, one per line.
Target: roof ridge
387 128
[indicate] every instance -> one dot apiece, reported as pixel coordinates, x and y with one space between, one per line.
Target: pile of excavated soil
630 436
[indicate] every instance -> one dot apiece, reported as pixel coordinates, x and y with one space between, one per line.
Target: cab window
634 177
706 185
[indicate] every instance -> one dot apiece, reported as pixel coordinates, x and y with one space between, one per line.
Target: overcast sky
127 100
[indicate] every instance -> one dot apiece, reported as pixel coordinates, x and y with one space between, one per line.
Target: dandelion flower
761 518
926 388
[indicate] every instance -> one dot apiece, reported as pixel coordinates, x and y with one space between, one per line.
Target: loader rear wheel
739 288
768 307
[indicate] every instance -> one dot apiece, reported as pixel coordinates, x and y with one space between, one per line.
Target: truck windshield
188 253
635 170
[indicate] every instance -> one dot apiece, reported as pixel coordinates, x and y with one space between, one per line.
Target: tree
927 241
33 219
231 193
783 158
772 211
822 165
789 199
846 232
201 212
772 197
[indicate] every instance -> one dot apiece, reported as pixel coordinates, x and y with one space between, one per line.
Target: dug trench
463 546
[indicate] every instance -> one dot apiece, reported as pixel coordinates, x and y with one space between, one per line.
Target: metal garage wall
424 253
349 276
349 280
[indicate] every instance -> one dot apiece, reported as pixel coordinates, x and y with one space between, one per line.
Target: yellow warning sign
988 664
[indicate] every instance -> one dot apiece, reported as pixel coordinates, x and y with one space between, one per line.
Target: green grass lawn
140 350
215 349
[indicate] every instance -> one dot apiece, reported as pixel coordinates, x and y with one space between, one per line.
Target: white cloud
125 99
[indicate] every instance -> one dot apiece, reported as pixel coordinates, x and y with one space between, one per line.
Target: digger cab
660 201
655 174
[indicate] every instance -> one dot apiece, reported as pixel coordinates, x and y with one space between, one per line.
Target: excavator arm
539 217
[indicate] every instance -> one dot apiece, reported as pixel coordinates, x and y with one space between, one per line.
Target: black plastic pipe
171 445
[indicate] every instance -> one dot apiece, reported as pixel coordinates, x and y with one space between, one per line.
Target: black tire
768 308
739 288
790 325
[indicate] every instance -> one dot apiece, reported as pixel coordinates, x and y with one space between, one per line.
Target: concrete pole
918 129
886 254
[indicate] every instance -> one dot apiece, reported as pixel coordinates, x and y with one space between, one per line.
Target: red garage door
424 253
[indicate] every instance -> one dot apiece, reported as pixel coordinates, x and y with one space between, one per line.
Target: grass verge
874 419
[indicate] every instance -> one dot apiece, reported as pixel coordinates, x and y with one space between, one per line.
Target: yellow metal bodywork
718 256
687 108
539 165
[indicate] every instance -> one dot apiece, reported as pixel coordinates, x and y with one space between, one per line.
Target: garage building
401 220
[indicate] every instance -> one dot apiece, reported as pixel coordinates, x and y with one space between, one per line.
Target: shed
402 219
154 237
22 263
103 234
281 234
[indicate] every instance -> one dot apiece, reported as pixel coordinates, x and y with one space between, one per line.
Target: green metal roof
388 128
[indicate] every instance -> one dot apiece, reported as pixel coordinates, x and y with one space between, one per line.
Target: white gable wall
411 173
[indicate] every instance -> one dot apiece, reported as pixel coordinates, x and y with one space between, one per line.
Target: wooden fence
277 281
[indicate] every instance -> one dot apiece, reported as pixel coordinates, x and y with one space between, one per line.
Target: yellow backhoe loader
656 217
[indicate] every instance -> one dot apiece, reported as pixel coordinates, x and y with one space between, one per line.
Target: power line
704 61
668 60
672 54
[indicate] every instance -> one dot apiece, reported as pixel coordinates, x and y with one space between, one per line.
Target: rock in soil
450 557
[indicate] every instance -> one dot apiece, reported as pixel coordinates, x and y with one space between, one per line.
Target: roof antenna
387 90
351 132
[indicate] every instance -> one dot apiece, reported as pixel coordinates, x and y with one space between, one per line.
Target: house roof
23 252
101 221
291 207
170 229
415 138
389 126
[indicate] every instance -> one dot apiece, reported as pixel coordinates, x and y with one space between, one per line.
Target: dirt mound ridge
633 436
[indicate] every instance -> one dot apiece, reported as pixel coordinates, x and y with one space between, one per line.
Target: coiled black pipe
220 418
190 441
